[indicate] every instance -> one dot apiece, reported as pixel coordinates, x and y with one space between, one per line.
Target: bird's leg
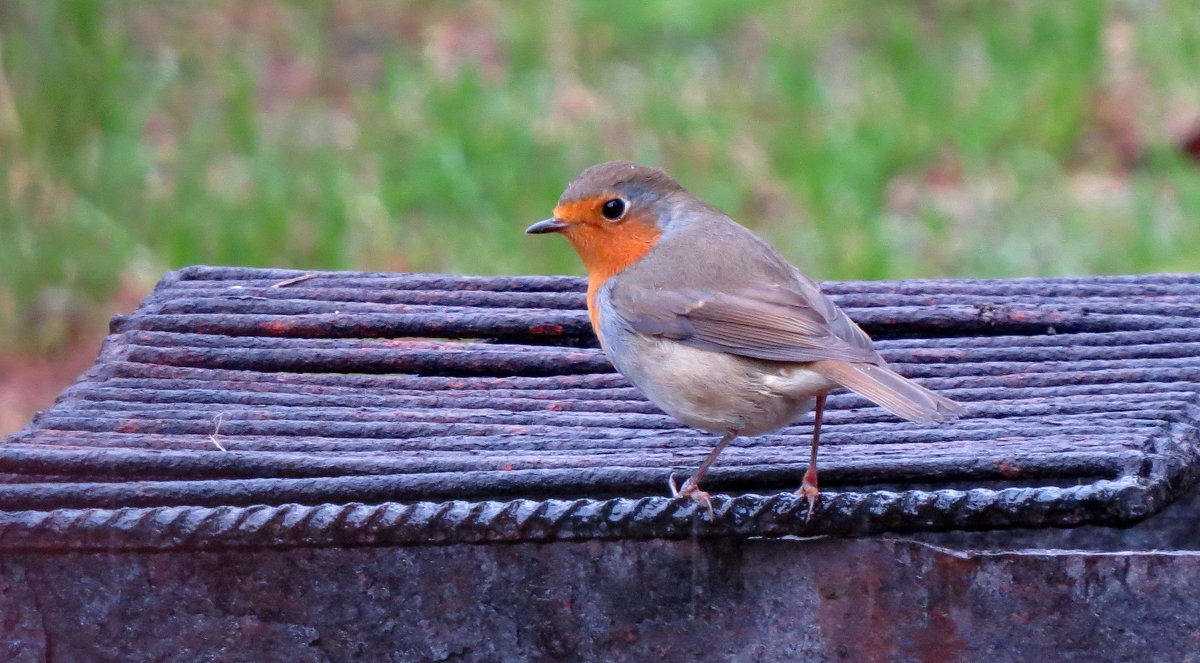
808 487
691 487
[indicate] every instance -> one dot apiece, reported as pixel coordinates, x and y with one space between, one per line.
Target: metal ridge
429 523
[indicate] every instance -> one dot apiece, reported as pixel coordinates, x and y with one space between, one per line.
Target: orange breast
607 249
593 310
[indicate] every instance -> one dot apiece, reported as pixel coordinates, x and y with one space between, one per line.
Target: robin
710 323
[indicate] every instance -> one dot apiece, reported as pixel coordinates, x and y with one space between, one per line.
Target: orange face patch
605 247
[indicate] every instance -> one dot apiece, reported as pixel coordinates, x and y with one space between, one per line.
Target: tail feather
891 391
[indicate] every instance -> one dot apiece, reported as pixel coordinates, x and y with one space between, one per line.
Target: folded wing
789 322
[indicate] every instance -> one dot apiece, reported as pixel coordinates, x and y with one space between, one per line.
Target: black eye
613 209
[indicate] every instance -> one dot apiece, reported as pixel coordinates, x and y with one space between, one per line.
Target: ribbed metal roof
269 407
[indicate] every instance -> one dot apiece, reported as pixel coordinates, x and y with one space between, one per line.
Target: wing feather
779 322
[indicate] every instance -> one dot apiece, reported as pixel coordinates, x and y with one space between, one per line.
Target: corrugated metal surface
241 407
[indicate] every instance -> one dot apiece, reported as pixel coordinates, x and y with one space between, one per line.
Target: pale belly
715 391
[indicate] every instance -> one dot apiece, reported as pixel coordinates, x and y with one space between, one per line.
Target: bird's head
613 214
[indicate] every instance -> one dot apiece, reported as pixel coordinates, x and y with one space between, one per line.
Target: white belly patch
716 391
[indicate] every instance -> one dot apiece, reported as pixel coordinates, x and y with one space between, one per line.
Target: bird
710 323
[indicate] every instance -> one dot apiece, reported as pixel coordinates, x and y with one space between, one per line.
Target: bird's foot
692 490
810 492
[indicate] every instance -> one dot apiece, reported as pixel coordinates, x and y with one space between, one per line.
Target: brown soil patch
30 382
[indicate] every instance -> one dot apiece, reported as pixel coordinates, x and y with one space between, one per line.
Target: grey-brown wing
839 323
792 322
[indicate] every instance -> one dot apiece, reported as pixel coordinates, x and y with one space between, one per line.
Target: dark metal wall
708 600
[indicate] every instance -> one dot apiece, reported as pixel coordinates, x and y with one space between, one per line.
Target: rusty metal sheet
249 407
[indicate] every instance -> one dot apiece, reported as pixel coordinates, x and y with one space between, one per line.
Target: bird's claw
809 490
692 491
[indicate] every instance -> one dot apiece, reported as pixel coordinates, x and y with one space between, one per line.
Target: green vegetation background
865 139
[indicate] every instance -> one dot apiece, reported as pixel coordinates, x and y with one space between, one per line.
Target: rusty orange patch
606 248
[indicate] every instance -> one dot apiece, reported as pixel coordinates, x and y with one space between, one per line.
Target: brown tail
891 391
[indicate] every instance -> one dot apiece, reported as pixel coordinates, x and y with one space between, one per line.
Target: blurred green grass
865 139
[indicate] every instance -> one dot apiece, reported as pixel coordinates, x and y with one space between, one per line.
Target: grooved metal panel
252 407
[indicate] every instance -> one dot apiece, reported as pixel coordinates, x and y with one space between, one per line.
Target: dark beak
548 226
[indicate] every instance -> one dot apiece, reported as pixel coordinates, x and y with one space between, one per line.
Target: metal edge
1107 502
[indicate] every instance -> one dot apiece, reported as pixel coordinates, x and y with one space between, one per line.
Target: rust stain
862 618
939 641
277 327
1010 469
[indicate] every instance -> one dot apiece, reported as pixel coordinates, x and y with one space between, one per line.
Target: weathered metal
266 465
756 600
336 523
241 390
